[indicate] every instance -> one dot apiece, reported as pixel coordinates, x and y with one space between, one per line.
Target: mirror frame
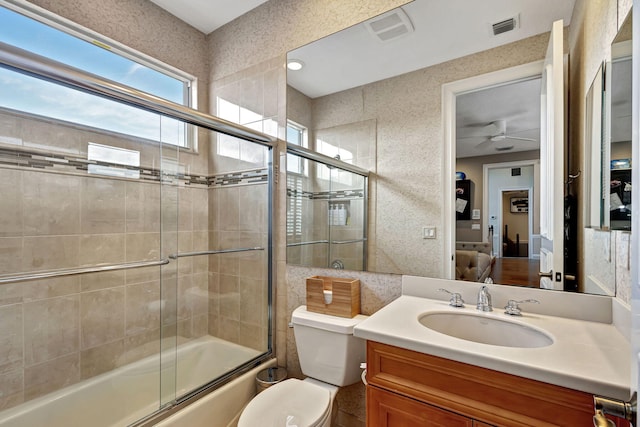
449 93
594 145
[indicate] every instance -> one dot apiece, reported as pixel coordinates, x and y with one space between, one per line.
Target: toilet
330 357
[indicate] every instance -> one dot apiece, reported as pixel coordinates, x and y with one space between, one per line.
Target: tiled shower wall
238 215
238 310
58 331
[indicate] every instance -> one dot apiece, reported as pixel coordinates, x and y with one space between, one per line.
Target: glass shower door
223 262
347 233
326 213
106 304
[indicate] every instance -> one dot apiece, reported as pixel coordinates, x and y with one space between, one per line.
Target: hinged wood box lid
334 296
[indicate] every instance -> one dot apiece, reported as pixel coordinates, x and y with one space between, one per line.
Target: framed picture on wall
519 204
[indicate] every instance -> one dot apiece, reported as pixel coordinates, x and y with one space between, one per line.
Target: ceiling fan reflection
497 132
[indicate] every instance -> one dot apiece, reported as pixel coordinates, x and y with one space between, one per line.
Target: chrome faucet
455 300
484 299
513 308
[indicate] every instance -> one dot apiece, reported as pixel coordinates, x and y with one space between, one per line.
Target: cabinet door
385 409
481 394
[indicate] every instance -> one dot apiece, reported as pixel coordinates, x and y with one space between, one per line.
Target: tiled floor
346 420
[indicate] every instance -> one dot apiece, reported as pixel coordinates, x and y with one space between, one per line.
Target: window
296 175
294 207
296 134
61 41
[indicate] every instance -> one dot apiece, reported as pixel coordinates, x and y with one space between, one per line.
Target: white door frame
449 93
532 206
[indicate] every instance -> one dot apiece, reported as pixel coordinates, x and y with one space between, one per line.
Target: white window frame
46 17
304 131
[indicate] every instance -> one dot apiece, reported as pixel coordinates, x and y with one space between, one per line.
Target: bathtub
99 402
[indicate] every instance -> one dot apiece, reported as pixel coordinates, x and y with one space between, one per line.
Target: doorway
509 186
516 232
500 128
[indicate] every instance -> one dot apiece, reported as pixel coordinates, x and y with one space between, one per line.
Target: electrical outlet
428 232
475 226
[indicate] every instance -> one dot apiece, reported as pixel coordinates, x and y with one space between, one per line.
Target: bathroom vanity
408 388
422 372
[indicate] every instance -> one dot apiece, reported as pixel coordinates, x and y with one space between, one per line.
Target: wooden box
343 296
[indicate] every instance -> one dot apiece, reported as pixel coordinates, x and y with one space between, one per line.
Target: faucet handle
484 299
513 309
455 300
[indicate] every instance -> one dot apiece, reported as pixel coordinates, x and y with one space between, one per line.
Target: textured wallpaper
279 26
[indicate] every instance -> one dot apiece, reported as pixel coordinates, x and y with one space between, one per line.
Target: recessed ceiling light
295 64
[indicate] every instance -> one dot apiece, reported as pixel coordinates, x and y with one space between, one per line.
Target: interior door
552 147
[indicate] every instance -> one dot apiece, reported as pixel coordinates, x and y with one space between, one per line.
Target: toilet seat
291 403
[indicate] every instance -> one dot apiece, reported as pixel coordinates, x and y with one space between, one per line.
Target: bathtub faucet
484 299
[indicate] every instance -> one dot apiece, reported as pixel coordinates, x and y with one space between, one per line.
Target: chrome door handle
549 274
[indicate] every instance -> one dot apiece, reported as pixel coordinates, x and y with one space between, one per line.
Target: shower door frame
33 65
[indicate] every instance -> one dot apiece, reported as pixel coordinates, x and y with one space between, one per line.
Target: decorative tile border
26 159
325 195
253 176
342 194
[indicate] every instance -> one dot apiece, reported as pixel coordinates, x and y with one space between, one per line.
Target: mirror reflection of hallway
497 148
514 214
515 265
515 224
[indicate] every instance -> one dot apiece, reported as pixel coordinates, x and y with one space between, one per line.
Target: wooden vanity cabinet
407 388
387 409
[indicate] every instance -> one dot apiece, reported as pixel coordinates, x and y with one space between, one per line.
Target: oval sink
485 330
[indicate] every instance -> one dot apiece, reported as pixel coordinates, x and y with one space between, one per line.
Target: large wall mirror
617 162
373 94
608 165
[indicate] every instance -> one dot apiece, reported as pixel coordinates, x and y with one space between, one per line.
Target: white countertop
589 356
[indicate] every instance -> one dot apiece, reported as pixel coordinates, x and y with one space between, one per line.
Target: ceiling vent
506 25
390 25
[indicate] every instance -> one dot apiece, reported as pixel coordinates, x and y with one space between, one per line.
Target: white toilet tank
327 349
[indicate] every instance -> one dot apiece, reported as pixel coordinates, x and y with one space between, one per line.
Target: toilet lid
291 403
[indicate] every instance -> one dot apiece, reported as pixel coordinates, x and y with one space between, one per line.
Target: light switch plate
475 226
428 232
